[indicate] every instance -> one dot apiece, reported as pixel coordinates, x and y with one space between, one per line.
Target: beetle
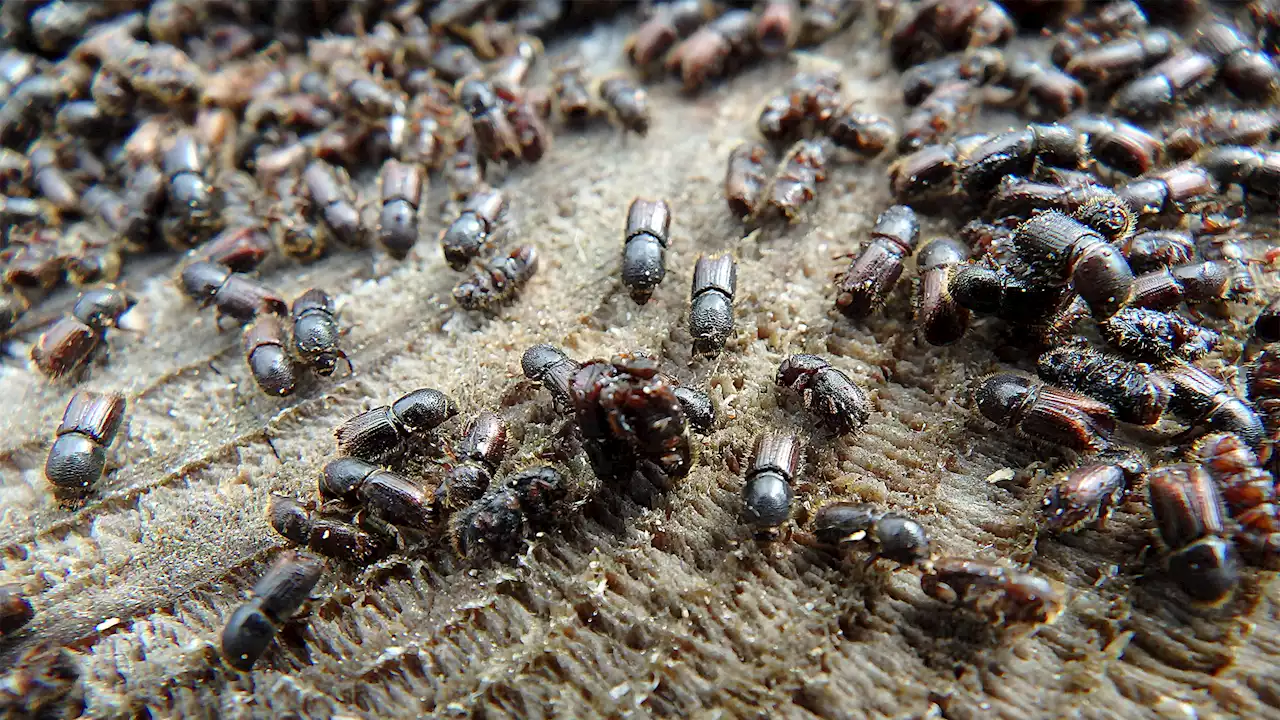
234 295
1189 518
275 598
384 431
999 594
69 344
479 454
715 280
842 405
1045 412
767 492
79 452
316 333
645 241
889 535
873 273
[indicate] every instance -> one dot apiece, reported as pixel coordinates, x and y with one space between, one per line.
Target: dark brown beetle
630 419
296 230
514 65
72 340
715 50
1104 65
329 187
864 134
316 333
1249 493
999 594
472 232
873 273
49 178
532 137
645 239
1156 249
1011 294
977 66
421 139
20 115
827 391
1064 249
846 526
627 102
495 138
498 279
79 451
1179 78
651 41
806 104
698 408
572 93
942 111
1120 146
821 19
927 172
401 188
1155 336
275 598
1088 494
326 535
497 523
715 280
357 92
796 182
767 494
454 62
384 431
35 260
1264 392
266 351
239 249
935 27
193 204
1019 152
1204 400
91 256
1212 127
1188 513
1136 393
1045 412
1257 172
464 168
777 27
1042 92
233 295
1266 327
144 195
549 366
1018 199
1249 74
1195 283
386 495
939 318
479 454
15 610
745 179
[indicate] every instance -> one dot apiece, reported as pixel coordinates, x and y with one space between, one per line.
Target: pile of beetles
1116 234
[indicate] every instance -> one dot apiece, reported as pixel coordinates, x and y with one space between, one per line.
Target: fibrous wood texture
622 610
